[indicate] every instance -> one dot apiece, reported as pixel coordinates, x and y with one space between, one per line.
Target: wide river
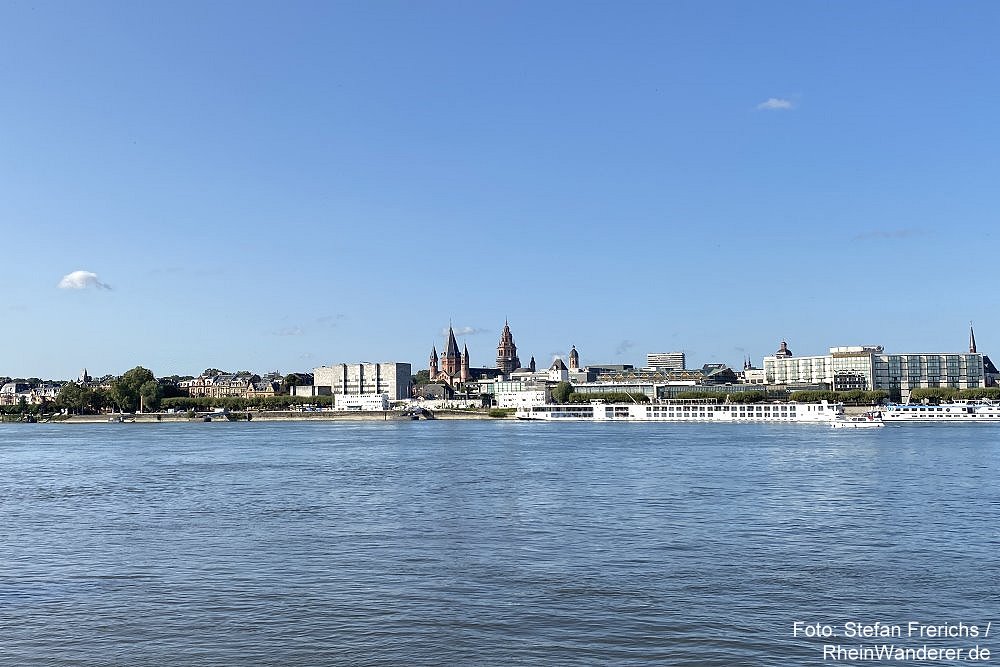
492 543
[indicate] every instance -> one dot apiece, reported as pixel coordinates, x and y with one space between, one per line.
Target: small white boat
867 420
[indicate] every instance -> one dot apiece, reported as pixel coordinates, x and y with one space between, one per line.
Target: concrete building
665 361
868 367
390 378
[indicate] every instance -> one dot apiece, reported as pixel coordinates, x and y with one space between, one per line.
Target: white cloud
289 331
775 104
464 331
82 280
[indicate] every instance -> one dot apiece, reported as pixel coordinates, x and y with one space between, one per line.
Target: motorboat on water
870 419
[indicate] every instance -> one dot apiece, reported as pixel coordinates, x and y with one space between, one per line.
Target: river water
488 543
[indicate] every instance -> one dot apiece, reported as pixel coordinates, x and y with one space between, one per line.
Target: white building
558 371
520 399
754 376
870 368
361 403
665 361
391 378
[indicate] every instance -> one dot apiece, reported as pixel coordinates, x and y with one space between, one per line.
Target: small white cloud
82 280
464 331
289 331
775 104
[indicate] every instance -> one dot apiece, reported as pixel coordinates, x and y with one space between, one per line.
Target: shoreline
280 416
295 416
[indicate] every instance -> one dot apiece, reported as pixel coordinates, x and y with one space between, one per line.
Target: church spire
972 339
451 358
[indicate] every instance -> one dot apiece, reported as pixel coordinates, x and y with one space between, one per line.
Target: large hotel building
871 368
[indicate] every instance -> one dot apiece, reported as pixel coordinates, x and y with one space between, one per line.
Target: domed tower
783 351
531 364
434 362
507 360
574 359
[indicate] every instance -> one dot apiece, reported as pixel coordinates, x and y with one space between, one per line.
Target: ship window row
657 409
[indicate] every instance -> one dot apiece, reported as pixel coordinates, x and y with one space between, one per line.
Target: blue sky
283 185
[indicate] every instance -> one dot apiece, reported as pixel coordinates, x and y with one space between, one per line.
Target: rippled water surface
484 543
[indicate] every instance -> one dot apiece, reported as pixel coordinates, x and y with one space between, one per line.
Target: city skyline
462 333
287 187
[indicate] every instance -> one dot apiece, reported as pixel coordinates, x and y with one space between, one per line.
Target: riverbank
299 416
271 416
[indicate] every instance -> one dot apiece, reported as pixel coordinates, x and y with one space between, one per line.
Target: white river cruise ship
958 411
685 411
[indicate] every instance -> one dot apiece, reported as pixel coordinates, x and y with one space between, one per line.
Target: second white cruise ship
685 411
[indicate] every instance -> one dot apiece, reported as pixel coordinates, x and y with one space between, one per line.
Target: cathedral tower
507 360
451 360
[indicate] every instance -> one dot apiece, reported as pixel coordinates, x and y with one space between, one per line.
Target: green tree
125 390
95 400
151 393
933 394
561 392
608 397
70 397
421 377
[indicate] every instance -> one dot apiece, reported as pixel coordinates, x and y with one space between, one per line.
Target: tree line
182 403
139 388
943 394
852 397
124 394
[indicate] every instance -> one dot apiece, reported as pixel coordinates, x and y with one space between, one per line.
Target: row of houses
230 385
14 393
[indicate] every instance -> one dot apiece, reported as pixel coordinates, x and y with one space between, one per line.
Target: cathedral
453 367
